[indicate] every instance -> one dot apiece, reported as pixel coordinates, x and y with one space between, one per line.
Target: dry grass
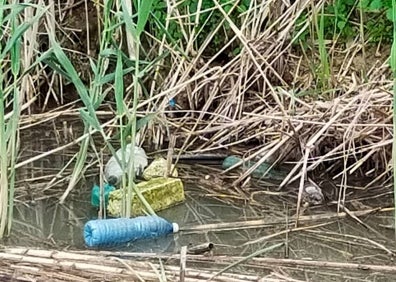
267 96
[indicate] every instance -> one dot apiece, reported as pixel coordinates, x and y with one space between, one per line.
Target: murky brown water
47 224
41 222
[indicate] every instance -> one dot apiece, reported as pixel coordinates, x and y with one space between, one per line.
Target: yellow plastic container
160 193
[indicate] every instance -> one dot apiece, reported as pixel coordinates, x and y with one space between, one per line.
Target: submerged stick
260 223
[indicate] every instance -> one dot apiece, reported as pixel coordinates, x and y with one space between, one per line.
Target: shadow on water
41 222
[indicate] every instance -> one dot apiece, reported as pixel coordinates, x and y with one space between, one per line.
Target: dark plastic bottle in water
110 232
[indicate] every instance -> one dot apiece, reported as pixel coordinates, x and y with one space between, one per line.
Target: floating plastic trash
157 168
273 173
312 194
110 232
172 103
113 170
160 193
95 194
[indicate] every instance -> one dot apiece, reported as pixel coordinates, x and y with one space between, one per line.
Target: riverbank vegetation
303 83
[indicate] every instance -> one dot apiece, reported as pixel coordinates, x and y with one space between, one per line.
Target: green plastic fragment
263 171
160 193
95 194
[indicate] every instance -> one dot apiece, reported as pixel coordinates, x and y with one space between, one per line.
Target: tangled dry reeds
269 98
273 98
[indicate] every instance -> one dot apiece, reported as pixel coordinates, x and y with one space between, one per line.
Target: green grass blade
120 110
88 120
144 120
13 126
324 69
119 87
108 78
18 32
2 5
15 58
51 61
3 168
143 14
80 87
130 26
13 11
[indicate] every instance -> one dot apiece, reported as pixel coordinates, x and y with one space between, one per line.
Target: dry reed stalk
264 223
270 262
124 264
209 100
86 266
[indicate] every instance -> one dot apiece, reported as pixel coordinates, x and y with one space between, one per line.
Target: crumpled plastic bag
113 171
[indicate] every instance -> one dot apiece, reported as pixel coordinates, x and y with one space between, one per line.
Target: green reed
4 189
324 70
11 74
104 82
135 31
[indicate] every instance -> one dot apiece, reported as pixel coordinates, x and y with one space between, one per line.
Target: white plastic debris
113 171
312 193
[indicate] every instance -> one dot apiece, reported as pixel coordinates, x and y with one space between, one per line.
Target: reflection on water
46 223
50 225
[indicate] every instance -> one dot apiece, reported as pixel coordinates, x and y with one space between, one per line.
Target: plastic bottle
273 174
110 232
113 170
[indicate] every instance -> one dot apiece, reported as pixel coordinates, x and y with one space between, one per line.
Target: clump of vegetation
226 105
14 90
344 19
188 18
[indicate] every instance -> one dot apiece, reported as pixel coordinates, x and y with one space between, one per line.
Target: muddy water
41 222
46 224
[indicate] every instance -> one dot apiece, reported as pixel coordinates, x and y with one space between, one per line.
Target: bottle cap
175 227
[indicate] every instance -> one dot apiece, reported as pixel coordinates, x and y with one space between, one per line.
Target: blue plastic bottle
108 232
